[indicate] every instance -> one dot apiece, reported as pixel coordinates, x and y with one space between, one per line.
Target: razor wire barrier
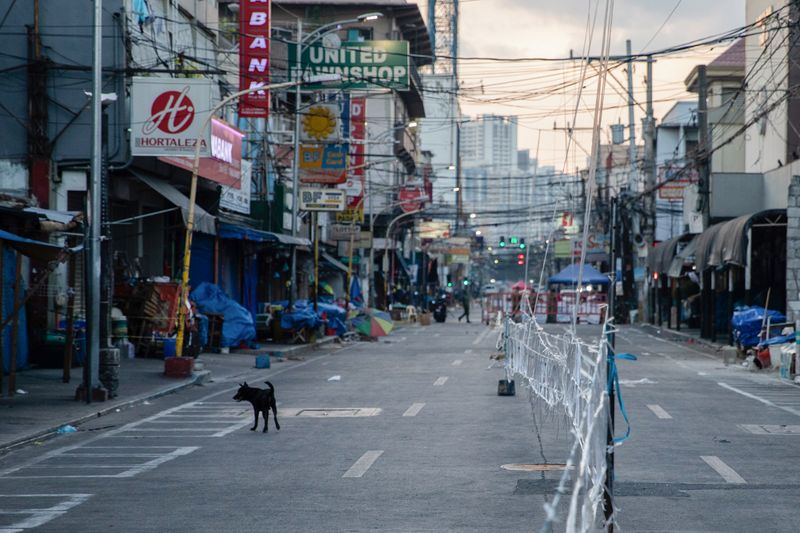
567 375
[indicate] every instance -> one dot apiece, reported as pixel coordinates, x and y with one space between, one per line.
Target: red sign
225 164
411 198
172 112
254 28
354 184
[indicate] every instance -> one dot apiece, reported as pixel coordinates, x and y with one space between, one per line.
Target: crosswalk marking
361 466
457 362
440 381
37 516
659 411
414 409
727 473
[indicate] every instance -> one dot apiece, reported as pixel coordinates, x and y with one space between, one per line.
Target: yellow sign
321 122
351 215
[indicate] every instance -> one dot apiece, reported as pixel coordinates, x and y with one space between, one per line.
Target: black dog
262 399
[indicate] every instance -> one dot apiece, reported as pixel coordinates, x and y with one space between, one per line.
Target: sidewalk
47 404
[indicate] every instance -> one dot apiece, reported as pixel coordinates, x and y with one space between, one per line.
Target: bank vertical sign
254 27
361 65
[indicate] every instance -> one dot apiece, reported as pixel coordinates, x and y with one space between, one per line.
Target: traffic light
522 244
449 283
466 282
514 240
520 259
502 242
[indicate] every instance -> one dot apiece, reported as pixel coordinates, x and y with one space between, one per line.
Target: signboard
225 164
321 123
351 214
322 200
344 232
354 183
361 65
237 198
432 229
562 249
673 179
323 164
167 115
254 29
411 198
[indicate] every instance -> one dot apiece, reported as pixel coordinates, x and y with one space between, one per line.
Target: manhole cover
761 429
533 467
346 412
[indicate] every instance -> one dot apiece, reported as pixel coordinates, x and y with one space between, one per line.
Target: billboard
167 115
254 28
361 64
225 164
323 164
237 197
322 199
321 123
354 182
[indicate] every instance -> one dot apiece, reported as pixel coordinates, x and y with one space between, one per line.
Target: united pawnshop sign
167 115
361 64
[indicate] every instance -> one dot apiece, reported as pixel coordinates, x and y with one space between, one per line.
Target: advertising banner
167 115
225 164
354 183
323 164
344 232
361 65
322 200
237 197
254 28
433 229
321 123
675 178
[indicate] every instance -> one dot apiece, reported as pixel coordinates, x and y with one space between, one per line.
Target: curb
198 378
684 336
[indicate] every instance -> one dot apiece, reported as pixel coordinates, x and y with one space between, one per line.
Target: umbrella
374 323
519 286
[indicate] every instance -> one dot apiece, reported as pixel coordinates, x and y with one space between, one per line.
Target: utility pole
296 162
92 269
704 145
649 135
631 122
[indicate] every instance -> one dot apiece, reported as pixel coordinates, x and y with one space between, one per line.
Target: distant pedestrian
465 303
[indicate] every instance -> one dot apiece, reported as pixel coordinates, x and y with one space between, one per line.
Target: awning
333 261
244 233
726 243
660 257
36 249
203 221
684 256
589 276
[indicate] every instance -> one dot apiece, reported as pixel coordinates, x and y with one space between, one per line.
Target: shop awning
244 233
684 256
589 276
726 243
36 249
203 221
333 261
660 257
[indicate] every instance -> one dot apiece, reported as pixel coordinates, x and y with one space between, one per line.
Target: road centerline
414 409
659 411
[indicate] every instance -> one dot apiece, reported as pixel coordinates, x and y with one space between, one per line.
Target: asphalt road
414 439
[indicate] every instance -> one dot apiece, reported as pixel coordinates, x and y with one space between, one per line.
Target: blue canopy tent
569 276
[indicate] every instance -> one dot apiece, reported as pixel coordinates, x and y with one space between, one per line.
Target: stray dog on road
262 399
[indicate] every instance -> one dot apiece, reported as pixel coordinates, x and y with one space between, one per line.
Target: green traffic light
522 246
449 283
514 240
466 282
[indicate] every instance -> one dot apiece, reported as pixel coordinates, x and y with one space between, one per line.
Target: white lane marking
759 398
468 350
414 409
40 516
481 336
702 373
457 362
440 381
436 334
727 473
361 466
659 411
682 347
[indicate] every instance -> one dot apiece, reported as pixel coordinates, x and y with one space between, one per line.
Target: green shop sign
361 65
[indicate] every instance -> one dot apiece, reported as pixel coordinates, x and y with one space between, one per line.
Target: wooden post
68 346
12 368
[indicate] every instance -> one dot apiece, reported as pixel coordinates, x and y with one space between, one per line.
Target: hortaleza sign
361 65
167 115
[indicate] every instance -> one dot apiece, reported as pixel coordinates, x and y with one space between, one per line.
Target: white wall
768 69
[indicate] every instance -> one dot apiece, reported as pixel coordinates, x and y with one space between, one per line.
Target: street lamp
187 247
301 45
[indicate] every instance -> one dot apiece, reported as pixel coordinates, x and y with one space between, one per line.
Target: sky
543 28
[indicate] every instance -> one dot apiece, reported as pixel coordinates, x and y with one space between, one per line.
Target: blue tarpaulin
746 324
9 266
302 315
238 324
569 276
